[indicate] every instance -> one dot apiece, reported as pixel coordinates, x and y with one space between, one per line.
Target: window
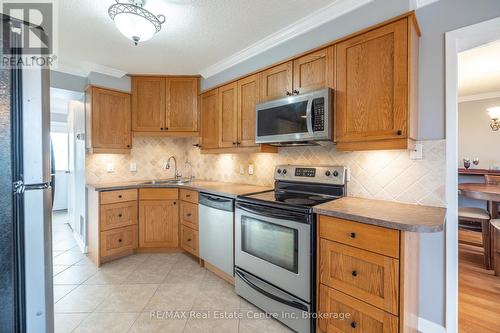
60 144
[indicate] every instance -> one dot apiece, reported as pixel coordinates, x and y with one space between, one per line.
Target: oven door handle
273 213
291 303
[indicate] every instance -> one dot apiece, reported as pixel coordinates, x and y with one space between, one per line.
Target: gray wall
78 83
434 20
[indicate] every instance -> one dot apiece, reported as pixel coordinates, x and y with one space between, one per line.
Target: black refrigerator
25 192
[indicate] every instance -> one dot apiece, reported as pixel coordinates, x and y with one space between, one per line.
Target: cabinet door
276 82
248 97
209 119
110 119
372 85
314 70
148 104
158 223
228 114
182 104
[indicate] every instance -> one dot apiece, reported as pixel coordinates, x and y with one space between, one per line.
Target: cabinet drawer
334 307
158 194
118 196
118 215
365 275
189 196
118 240
189 214
364 236
189 240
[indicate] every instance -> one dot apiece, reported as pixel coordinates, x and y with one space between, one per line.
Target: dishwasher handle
217 202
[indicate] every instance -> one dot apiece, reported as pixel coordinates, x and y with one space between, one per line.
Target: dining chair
495 227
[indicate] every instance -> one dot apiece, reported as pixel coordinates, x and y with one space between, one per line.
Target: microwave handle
309 117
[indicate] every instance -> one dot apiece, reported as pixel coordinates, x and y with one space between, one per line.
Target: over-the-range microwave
296 120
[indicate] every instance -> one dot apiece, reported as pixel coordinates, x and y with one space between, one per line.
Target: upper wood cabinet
166 105
182 104
209 114
276 81
228 115
375 101
314 71
108 120
248 97
148 104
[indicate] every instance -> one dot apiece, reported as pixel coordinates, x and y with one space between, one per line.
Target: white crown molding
416 4
426 326
85 69
478 97
305 24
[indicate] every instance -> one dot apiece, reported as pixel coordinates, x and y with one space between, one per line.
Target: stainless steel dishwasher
216 223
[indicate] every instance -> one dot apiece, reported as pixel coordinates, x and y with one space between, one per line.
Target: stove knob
335 173
284 171
279 171
328 173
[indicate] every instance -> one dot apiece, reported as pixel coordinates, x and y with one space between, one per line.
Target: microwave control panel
318 106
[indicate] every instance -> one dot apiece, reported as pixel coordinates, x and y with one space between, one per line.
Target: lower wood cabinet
368 273
158 218
189 221
189 240
118 241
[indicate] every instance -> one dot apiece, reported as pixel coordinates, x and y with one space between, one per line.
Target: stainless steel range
275 242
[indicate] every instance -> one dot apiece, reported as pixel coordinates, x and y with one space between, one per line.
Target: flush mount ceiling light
495 117
135 22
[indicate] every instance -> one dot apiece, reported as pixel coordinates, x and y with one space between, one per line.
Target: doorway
470 287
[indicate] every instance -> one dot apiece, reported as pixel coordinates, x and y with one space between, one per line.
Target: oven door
274 245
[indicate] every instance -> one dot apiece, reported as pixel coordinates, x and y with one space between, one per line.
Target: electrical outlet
250 169
110 167
242 169
417 152
133 167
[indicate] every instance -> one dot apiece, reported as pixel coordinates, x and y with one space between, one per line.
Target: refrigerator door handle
20 187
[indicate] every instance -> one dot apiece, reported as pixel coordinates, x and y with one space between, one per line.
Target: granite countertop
219 188
405 217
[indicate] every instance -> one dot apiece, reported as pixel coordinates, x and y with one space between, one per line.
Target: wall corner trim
426 326
303 25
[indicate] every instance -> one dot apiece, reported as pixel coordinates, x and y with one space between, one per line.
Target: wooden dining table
491 194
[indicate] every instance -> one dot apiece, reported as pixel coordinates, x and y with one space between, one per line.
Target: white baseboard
80 242
426 326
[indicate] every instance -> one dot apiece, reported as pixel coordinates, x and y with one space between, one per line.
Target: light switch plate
110 167
242 169
417 152
133 167
250 169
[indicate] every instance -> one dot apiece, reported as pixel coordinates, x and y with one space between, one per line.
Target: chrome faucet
177 174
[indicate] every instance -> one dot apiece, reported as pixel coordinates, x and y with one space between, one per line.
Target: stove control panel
311 174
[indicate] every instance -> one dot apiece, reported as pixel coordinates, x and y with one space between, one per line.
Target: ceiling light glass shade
135 22
494 113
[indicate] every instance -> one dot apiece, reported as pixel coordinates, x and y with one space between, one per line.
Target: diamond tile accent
385 175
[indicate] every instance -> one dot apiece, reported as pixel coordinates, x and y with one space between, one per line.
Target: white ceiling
196 35
479 70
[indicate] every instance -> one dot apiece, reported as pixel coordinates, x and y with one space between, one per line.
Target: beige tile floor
133 294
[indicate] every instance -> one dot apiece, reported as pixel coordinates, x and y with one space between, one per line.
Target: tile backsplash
387 175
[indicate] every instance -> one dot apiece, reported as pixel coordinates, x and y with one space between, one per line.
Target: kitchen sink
177 181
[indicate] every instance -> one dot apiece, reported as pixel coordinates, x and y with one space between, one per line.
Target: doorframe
457 41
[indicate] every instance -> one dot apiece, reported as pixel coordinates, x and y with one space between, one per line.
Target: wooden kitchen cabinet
248 97
108 120
148 103
375 101
209 109
189 222
158 218
276 81
314 71
182 104
228 115
165 105
369 272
